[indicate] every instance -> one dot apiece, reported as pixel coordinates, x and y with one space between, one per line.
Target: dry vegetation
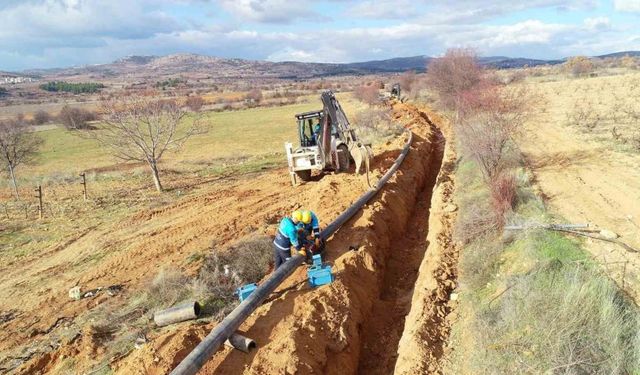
535 304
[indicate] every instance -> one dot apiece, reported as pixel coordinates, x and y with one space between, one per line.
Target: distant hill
157 67
621 54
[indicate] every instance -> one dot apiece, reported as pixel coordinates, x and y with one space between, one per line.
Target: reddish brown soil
353 325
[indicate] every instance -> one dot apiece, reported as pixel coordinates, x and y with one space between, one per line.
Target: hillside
233 68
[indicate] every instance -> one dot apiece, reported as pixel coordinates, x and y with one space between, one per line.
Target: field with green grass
231 135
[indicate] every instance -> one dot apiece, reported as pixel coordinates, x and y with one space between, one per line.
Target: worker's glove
302 252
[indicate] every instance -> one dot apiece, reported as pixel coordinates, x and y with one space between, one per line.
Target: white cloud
46 33
627 5
598 23
269 11
383 9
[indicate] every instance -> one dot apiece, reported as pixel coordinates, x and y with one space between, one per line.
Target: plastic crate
320 275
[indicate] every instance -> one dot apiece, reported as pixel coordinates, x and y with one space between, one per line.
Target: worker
287 236
316 132
310 232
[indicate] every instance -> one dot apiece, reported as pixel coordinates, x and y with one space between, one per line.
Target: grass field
230 135
237 143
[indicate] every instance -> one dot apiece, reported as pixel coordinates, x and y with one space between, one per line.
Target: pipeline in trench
382 330
355 324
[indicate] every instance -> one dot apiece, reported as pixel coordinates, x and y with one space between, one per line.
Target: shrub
407 81
490 119
503 194
579 66
373 125
167 288
195 103
584 116
223 271
41 117
74 118
453 74
254 96
366 94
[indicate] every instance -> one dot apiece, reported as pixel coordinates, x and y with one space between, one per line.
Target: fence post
39 196
84 185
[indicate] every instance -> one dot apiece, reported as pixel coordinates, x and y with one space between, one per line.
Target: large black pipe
205 349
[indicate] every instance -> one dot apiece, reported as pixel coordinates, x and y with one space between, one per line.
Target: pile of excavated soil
357 323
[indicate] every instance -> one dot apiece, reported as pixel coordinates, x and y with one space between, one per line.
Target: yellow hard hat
296 216
306 217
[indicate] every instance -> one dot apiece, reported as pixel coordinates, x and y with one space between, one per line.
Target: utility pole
39 196
84 185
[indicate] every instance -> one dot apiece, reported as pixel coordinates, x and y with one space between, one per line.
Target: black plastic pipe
193 362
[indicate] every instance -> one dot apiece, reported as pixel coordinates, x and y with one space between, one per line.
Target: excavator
327 142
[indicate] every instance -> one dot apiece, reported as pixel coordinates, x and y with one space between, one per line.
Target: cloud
49 33
270 11
383 9
598 23
627 5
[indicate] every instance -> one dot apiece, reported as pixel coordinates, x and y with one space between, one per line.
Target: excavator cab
309 126
325 137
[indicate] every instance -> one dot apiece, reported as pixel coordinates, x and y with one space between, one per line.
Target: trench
382 330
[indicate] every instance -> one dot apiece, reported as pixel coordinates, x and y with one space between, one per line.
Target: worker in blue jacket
309 234
310 225
287 236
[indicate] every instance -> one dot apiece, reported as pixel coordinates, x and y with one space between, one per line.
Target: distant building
15 79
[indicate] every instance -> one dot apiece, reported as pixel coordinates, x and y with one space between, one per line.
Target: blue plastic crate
244 291
320 275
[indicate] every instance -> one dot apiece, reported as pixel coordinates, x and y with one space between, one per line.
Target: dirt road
584 182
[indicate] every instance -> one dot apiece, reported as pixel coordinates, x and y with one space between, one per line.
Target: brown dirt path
586 182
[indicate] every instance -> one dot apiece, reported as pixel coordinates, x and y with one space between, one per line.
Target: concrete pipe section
184 311
237 341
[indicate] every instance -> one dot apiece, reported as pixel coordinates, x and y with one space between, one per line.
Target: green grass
536 303
231 134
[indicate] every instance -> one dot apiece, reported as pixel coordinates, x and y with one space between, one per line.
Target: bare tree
17 146
453 74
143 129
74 118
367 94
490 122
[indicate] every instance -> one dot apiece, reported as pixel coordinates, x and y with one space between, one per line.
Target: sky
61 33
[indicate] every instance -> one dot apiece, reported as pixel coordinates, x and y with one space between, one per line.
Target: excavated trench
357 324
383 329
384 313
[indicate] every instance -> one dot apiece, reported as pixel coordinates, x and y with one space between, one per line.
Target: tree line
74 88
